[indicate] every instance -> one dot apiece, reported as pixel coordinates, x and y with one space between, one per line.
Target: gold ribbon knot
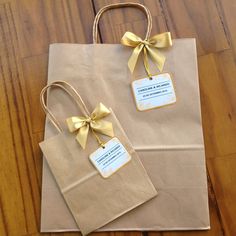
93 122
148 47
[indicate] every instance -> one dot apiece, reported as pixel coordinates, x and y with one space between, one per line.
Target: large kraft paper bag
94 200
169 140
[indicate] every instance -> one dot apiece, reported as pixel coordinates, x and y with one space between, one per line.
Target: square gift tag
154 92
110 158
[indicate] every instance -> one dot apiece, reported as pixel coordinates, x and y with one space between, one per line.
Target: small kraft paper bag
97 171
158 105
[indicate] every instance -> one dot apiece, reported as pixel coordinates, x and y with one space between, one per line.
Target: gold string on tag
149 47
94 122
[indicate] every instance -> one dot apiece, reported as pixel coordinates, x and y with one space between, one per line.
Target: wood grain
35 77
200 19
26 30
228 9
19 186
218 103
223 176
44 22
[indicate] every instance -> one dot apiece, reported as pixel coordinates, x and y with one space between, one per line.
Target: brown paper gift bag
168 140
93 200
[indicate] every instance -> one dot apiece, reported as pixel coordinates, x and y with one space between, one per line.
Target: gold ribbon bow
149 47
94 121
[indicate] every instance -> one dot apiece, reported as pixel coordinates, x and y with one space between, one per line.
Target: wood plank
228 9
115 23
40 23
19 187
199 19
35 77
4 1
216 85
3 223
227 66
223 175
37 157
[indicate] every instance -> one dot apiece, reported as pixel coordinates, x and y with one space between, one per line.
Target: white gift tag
152 93
110 158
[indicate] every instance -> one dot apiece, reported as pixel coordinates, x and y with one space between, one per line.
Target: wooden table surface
27 27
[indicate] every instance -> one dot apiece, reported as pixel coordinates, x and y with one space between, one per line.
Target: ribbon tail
103 127
157 57
145 62
100 111
82 136
134 57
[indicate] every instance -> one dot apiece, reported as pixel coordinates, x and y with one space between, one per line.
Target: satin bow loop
148 47
94 122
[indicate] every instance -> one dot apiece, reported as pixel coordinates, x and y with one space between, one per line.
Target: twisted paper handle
121 5
71 91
